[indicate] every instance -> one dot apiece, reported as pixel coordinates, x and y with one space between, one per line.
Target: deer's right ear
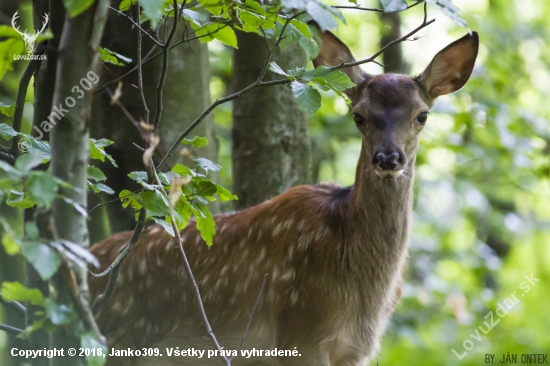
334 52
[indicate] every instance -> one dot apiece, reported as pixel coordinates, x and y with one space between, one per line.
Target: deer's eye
422 117
358 118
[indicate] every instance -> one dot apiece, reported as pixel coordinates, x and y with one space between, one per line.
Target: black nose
387 161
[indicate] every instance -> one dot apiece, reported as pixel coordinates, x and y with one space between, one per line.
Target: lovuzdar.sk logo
29 40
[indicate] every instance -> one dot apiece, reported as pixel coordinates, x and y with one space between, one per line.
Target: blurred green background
482 209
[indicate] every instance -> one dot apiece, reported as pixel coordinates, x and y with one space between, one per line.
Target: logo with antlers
28 39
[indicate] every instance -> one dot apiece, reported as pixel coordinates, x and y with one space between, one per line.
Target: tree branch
15 306
230 97
162 78
10 329
20 98
137 25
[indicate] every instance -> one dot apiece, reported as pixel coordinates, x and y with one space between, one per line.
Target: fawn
334 256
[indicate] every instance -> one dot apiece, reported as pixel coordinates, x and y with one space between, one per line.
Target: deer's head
390 110
28 39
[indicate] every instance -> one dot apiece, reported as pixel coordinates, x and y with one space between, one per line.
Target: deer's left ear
451 68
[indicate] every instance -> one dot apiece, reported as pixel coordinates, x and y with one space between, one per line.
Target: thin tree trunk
393 56
78 55
271 145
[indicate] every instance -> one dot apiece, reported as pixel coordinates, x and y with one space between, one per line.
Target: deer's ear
334 52
451 68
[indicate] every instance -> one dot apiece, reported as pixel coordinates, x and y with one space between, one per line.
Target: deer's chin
389 174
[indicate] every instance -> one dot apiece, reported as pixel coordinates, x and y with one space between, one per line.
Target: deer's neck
380 213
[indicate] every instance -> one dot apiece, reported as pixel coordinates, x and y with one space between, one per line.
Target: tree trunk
393 56
78 55
186 95
271 145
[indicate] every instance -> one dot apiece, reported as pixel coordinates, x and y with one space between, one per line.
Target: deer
334 256
28 39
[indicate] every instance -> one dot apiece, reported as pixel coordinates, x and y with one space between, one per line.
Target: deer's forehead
389 92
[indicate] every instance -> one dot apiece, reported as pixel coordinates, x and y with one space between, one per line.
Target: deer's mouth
388 174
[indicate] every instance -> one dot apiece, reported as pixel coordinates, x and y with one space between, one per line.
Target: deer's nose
387 161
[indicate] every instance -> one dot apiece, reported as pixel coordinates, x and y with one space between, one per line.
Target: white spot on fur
277 229
288 275
143 266
294 297
224 269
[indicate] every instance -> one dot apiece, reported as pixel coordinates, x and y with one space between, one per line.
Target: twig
10 329
133 241
163 72
375 9
20 98
251 315
138 26
258 82
15 306
424 24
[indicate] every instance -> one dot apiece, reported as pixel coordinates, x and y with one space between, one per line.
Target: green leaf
224 194
155 202
59 314
183 170
42 146
393 5
276 68
8 111
450 10
139 177
223 33
128 198
153 10
42 188
322 16
227 36
26 162
196 142
205 223
293 4
330 78
125 4
9 244
76 7
103 188
113 57
309 99
207 164
88 341
7 132
42 257
194 16
97 150
15 291
19 200
9 48
166 225
96 174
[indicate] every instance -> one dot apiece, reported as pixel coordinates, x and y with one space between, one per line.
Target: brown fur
334 255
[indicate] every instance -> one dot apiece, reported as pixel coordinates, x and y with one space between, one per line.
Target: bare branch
20 98
258 82
10 329
137 25
251 315
15 306
162 77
